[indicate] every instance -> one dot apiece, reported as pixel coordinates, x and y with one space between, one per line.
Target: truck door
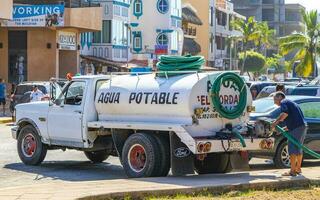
65 116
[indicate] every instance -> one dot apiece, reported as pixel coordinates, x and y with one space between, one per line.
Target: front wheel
282 157
141 156
213 163
30 148
97 156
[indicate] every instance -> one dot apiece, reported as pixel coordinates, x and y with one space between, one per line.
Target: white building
156 28
222 31
112 42
147 26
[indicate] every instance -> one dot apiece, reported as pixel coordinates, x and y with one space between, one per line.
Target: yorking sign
37 16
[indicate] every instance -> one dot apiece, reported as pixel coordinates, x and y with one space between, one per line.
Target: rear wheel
30 148
97 156
213 163
164 147
140 156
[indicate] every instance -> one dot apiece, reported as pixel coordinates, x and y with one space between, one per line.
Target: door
65 116
311 112
17 56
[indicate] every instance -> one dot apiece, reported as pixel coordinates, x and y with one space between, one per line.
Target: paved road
65 167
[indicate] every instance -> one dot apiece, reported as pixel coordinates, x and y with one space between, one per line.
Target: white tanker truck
188 122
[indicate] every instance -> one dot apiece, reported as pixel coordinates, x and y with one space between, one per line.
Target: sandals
290 173
298 172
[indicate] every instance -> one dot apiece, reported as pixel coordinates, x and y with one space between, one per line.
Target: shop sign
67 40
50 15
161 49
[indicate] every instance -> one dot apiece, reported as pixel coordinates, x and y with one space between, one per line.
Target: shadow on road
71 170
78 171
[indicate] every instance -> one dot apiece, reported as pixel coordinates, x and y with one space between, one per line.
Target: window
137 42
106 31
119 33
97 37
74 93
116 10
162 39
211 11
137 8
124 12
310 109
106 10
220 42
163 6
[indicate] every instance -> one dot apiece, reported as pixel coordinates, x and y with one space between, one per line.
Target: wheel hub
285 158
29 145
137 158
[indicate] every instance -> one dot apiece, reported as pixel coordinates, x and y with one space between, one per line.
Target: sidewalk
139 188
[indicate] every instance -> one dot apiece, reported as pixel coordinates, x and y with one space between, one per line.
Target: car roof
295 98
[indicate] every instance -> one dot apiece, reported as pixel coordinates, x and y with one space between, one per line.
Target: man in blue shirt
293 117
3 96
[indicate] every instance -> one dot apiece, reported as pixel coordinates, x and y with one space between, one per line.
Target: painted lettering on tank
154 98
109 97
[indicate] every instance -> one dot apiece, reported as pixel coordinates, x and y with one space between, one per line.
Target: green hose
229 78
239 136
297 143
169 65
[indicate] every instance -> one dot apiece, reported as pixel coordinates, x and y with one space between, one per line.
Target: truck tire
30 148
213 163
141 156
281 158
164 146
97 156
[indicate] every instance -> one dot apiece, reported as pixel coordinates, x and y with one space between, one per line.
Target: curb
207 189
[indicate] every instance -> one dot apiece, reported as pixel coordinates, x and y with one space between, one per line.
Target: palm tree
249 34
304 45
265 37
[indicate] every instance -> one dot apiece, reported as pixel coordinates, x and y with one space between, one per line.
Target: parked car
22 92
310 107
291 90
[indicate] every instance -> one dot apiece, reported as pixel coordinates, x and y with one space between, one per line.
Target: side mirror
59 102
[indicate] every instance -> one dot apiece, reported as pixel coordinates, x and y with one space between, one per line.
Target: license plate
235 145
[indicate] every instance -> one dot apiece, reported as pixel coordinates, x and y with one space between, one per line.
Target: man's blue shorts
299 134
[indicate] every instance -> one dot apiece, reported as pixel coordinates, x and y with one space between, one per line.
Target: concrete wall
87 19
67 63
6 9
203 35
4 54
41 60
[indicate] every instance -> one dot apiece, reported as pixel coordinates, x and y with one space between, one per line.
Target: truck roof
91 77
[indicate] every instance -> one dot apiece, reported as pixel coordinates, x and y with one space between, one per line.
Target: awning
190 16
190 46
121 66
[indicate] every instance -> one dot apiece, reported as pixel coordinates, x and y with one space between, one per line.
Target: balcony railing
190 31
67 3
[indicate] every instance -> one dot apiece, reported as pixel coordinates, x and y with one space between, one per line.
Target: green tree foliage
265 37
305 45
249 34
275 63
254 61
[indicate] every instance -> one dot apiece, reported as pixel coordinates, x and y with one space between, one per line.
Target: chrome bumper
14 132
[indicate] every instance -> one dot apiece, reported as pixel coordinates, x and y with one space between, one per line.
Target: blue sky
309 4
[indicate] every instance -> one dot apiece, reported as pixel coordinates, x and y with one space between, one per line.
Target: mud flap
182 159
239 161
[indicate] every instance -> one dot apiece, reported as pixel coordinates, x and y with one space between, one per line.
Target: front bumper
14 132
